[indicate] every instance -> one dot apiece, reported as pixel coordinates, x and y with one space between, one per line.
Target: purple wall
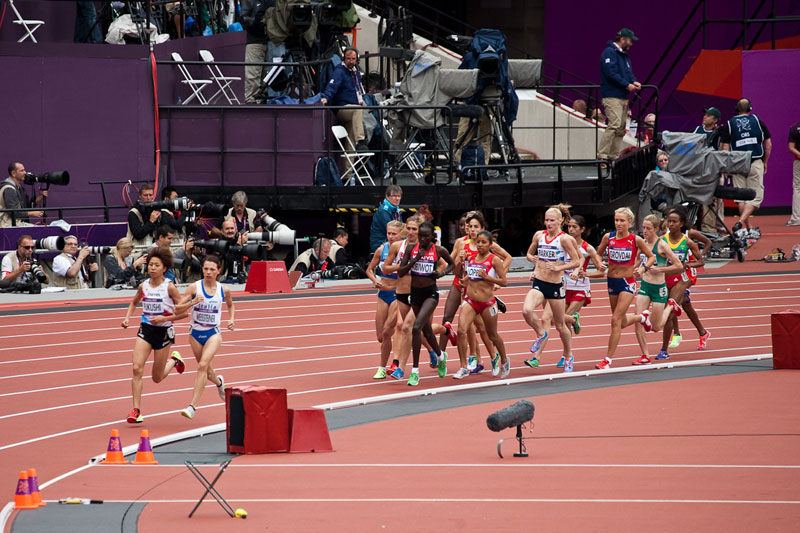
775 103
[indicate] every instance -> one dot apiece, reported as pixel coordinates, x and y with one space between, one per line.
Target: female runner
653 289
420 261
550 250
688 308
621 283
158 297
386 314
206 297
576 282
484 270
688 253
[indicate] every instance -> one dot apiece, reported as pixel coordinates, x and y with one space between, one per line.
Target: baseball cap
625 32
714 112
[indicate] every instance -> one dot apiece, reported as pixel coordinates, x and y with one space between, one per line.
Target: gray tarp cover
694 170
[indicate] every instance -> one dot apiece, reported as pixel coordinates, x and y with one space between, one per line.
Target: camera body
36 270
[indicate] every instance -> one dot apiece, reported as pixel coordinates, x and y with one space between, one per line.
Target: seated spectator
17 265
345 89
13 196
315 258
119 265
71 268
339 254
579 106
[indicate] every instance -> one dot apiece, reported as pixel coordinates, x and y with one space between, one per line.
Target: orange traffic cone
33 483
23 499
144 455
114 453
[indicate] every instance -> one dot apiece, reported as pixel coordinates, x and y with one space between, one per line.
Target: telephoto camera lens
51 244
36 270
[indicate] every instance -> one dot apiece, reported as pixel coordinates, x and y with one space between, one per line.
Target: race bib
473 271
423 267
548 254
153 306
620 255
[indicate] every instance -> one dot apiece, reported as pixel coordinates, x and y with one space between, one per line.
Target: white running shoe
461 373
189 412
221 387
505 369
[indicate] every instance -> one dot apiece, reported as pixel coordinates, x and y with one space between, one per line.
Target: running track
65 384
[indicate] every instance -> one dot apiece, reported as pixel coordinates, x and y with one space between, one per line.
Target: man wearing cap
711 117
794 149
747 133
617 81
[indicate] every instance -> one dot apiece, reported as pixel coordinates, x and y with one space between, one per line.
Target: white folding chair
222 81
196 85
356 161
29 26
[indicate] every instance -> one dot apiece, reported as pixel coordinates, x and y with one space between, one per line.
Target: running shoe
472 362
392 368
643 360
496 364
135 417
380 374
538 342
398 374
561 362
179 365
569 364
676 309
576 326
501 305
662 354
533 362
434 358
477 370
221 387
676 341
441 366
703 340
605 364
413 380
461 373
451 333
505 369
188 412
648 327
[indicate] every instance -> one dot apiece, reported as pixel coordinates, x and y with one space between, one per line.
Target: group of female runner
162 304
666 265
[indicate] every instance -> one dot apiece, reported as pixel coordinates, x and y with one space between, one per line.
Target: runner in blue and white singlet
207 314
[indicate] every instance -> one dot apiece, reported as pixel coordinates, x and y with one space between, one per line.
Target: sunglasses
28 247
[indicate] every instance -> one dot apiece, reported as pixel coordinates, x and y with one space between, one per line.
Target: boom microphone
515 414
734 193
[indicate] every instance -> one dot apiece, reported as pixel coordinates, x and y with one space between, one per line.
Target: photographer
315 258
176 219
71 267
143 220
339 253
19 266
233 263
119 265
13 196
245 219
188 262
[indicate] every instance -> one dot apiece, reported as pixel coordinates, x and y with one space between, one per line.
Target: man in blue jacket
345 89
617 81
389 210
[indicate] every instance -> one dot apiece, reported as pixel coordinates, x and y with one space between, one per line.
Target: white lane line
434 500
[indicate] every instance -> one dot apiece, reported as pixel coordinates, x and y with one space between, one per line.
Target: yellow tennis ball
240 513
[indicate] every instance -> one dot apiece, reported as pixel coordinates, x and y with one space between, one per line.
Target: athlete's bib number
474 271
423 267
548 254
662 291
619 255
153 307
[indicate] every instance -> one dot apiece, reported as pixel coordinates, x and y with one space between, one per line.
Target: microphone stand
523 451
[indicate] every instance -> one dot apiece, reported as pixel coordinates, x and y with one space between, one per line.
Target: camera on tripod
48 178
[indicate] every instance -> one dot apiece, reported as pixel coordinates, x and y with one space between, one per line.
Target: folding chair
196 85
222 81
209 485
356 161
29 26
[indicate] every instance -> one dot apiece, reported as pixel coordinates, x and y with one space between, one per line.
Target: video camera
301 15
48 178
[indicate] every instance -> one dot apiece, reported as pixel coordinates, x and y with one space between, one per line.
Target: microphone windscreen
514 415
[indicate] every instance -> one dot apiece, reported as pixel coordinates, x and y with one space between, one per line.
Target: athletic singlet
206 315
581 284
474 267
426 265
660 259
400 252
384 255
680 248
551 250
622 251
156 302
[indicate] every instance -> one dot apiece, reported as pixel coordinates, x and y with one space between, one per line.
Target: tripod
499 131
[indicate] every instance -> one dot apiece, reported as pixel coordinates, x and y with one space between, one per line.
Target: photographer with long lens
71 267
13 196
21 267
179 213
119 265
145 217
315 258
188 261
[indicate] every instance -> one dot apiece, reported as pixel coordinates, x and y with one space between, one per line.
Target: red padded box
257 420
309 431
267 276
786 339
